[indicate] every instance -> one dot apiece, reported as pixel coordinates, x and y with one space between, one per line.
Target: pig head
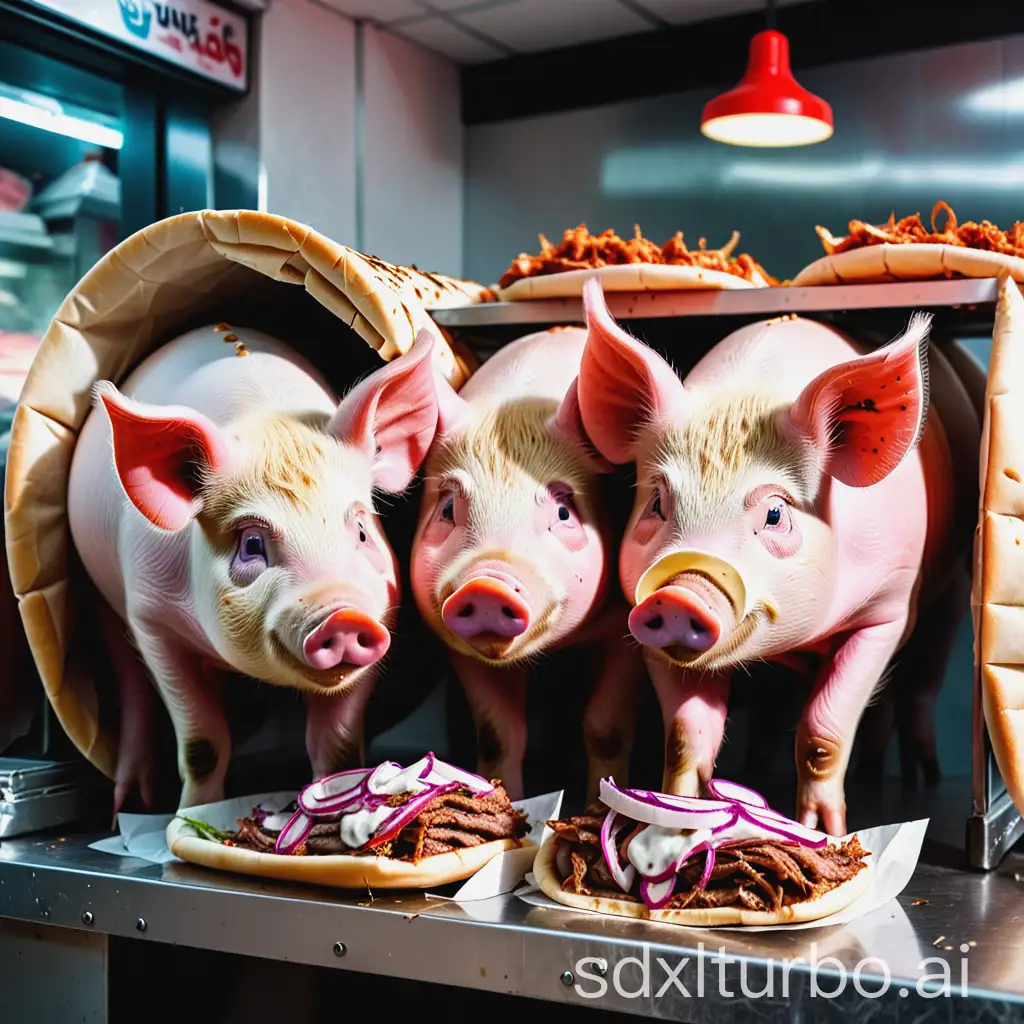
780 506
252 545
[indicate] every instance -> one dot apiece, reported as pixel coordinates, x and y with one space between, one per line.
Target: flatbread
912 261
997 593
546 873
341 872
625 277
168 278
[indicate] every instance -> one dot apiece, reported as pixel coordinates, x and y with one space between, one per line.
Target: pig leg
135 753
829 723
609 720
693 707
919 679
334 728
497 698
200 725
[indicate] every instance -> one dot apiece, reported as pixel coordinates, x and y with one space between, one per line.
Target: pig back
540 365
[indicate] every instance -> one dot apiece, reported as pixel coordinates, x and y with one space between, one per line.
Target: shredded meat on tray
752 874
580 250
454 821
910 230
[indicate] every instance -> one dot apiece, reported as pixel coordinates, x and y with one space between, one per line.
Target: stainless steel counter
503 945
747 302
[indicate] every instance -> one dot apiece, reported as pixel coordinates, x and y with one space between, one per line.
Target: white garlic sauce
358 827
654 850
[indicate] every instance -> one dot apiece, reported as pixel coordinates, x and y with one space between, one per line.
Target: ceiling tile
448 39
684 12
531 25
381 11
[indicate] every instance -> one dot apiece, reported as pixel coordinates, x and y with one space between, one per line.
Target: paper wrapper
894 852
143 836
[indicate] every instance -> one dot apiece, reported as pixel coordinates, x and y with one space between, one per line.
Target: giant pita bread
624 277
546 873
911 261
170 277
997 592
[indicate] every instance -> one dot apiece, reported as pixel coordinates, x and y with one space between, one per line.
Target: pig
511 554
221 501
792 494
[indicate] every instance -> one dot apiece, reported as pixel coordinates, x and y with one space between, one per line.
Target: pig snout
346 637
688 614
484 610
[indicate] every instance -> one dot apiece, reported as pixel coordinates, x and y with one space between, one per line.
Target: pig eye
252 546
448 509
565 508
654 508
776 517
362 533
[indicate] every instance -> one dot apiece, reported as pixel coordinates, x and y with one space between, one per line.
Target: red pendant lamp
768 107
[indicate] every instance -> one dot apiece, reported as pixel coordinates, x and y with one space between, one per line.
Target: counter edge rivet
567 978
340 949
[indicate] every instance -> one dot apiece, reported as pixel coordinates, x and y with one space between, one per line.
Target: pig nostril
656 623
466 611
698 627
363 640
507 612
326 645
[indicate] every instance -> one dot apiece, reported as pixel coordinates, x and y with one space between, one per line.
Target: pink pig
789 499
221 502
511 552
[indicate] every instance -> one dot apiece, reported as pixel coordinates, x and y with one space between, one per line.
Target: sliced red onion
394 823
790 829
725 826
477 785
332 792
657 894
294 834
624 876
709 866
428 765
638 805
733 791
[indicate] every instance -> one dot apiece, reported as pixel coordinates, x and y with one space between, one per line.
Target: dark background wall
911 129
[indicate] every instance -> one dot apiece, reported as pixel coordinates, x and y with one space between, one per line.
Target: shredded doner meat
910 230
580 250
754 874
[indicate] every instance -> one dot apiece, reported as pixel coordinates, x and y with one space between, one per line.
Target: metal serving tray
40 795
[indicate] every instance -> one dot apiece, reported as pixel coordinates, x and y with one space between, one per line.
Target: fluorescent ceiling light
56 121
1004 98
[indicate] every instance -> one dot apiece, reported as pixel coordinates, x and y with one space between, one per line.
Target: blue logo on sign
136 17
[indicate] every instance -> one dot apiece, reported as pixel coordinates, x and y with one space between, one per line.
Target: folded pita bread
546 873
342 872
167 278
912 261
626 277
997 596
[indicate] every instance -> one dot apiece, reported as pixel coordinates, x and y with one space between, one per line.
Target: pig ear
452 410
623 385
568 422
157 451
865 415
392 415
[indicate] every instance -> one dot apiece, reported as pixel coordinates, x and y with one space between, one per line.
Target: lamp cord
770 14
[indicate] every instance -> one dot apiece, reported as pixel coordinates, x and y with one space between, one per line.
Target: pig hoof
822 806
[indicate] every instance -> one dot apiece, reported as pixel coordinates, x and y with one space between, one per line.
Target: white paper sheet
894 849
143 836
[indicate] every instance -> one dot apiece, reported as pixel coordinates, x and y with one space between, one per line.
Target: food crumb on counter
241 350
919 903
222 327
230 338
941 938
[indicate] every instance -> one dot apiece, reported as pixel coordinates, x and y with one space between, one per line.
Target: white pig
512 552
222 503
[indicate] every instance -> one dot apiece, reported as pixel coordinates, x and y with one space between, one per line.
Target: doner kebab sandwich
725 860
386 827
